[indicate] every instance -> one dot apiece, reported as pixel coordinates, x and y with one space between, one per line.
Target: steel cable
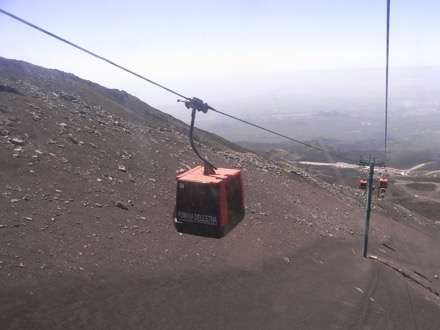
168 89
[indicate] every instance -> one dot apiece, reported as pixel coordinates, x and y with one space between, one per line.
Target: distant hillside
87 181
345 110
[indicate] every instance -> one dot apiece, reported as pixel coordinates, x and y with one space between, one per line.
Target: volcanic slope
87 181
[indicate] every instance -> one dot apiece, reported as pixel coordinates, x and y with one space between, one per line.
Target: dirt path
426 195
417 167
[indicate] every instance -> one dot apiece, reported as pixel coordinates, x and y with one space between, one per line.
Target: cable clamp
196 104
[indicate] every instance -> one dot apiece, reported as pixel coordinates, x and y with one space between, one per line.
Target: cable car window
198 203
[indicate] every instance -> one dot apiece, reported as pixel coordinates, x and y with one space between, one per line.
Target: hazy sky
216 49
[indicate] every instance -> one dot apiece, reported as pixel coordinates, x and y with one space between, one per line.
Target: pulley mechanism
198 105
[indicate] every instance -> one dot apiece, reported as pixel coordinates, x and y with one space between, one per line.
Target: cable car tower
209 200
383 181
371 163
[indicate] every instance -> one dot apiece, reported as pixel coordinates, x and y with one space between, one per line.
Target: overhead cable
386 80
89 52
165 88
282 135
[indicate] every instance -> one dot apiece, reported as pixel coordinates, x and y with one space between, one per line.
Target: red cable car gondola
209 200
209 205
383 183
363 184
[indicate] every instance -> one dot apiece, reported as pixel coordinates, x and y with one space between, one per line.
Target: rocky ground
87 182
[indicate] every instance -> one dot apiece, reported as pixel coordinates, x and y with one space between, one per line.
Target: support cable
282 135
168 89
90 53
386 79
